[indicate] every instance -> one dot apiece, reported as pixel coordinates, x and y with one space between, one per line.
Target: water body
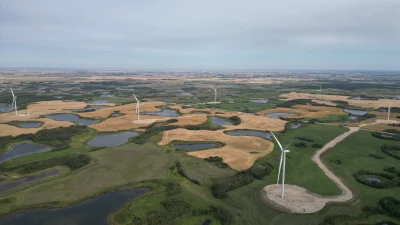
295 126
100 102
165 112
261 134
356 112
72 118
207 222
28 124
112 139
374 179
260 100
94 211
116 114
220 121
23 149
195 146
5 109
90 108
6 186
279 114
352 117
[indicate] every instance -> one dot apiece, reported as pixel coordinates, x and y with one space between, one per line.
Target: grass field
354 154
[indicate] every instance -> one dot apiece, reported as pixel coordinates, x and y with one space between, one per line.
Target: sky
201 34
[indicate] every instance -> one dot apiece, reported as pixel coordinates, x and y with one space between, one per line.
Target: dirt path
347 194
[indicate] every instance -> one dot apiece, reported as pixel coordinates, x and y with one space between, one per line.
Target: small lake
100 102
89 108
260 100
9 185
295 125
116 114
112 139
164 112
279 114
5 109
356 112
29 124
220 121
374 179
72 118
94 211
261 134
195 146
23 149
207 222
352 117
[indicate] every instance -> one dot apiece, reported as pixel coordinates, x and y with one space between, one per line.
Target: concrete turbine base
297 199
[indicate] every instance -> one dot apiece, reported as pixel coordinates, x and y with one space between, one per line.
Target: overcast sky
201 34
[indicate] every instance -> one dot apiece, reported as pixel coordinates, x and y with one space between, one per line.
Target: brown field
237 152
306 111
49 107
6 129
361 103
128 109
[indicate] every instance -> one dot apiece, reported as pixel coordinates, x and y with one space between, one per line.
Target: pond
220 121
352 117
29 124
295 125
112 139
195 146
356 112
279 114
261 134
374 179
207 222
100 102
94 211
260 100
116 114
5 109
164 112
22 149
72 118
8 185
89 108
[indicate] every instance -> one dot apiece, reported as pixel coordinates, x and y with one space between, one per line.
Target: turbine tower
14 102
283 159
390 104
215 90
137 108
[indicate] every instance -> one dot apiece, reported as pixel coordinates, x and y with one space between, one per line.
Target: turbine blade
288 144
279 171
277 141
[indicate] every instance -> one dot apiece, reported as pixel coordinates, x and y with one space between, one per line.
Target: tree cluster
391 150
386 180
183 173
386 136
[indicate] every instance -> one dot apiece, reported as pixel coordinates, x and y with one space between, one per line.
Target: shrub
172 120
376 156
78 161
391 150
220 188
172 188
386 136
317 145
305 139
183 173
393 131
235 120
301 145
395 124
391 206
387 180
176 207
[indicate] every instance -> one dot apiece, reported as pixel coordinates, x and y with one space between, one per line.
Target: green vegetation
217 160
301 144
385 180
386 136
391 150
235 120
184 174
355 157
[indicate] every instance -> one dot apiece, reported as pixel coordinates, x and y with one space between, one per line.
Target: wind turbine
137 108
14 103
283 159
215 90
390 104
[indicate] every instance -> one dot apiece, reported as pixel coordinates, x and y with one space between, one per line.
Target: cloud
201 34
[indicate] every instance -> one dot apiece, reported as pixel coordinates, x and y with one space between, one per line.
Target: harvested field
128 109
126 122
6 129
306 111
361 103
236 152
192 119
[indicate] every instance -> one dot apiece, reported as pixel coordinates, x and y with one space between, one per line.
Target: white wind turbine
14 102
215 90
283 159
390 104
137 108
